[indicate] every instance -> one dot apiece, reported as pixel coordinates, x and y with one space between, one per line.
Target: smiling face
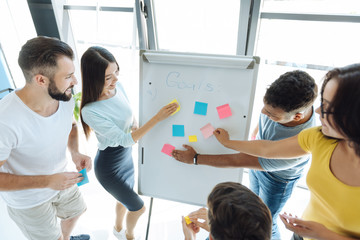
328 95
63 81
111 77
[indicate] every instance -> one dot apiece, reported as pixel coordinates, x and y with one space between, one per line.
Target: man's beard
55 93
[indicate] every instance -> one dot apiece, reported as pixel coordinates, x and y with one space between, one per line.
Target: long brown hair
94 63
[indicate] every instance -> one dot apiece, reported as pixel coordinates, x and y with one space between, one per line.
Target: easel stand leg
148 225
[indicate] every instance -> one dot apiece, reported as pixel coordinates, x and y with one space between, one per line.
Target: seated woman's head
235 212
340 105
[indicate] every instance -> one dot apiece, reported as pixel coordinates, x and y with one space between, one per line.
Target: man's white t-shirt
32 145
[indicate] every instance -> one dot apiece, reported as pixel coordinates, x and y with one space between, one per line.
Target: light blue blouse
111 119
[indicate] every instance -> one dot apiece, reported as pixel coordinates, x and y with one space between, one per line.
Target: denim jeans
274 191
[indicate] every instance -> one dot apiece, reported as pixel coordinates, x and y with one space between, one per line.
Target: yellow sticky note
187 220
192 138
178 109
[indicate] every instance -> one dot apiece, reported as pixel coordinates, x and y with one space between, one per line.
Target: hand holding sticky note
84 175
178 109
187 220
167 149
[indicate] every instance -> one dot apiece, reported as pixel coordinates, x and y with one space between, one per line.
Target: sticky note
192 138
200 108
207 130
178 109
167 149
178 130
84 175
224 111
187 220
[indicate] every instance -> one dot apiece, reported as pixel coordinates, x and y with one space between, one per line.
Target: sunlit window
313 6
16 27
204 26
307 42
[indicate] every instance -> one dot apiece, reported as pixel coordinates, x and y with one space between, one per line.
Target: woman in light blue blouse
106 110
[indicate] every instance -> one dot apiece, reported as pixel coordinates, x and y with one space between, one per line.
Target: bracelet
195 158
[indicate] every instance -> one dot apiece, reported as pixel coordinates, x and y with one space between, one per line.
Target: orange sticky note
178 109
193 138
187 220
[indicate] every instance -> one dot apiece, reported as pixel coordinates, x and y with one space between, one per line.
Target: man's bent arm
224 161
11 182
57 181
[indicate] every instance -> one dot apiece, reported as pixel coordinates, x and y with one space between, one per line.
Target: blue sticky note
200 108
84 175
178 130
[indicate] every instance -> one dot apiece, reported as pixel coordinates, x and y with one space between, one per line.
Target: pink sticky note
167 149
207 130
224 111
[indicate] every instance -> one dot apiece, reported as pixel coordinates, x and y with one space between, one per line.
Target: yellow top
332 203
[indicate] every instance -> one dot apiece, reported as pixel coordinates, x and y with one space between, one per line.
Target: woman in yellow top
334 176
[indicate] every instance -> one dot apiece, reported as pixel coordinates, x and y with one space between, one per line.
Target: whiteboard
189 78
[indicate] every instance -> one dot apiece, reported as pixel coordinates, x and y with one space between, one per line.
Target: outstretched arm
164 112
281 149
223 161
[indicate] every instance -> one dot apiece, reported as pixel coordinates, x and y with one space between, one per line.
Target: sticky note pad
200 108
84 175
192 138
167 149
207 130
187 220
178 109
178 130
224 111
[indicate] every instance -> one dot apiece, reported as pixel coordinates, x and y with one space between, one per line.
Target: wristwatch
195 158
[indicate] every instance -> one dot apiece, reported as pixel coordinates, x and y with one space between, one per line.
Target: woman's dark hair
94 63
345 106
235 212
